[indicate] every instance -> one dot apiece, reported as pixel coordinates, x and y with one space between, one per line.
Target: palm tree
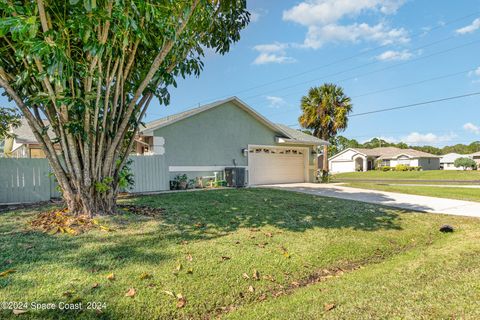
325 112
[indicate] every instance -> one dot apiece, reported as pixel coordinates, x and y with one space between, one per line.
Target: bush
465 163
401 167
386 168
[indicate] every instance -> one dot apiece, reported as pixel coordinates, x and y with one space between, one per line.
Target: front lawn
459 193
452 175
247 253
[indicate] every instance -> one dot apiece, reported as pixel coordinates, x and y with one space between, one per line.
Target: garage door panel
268 168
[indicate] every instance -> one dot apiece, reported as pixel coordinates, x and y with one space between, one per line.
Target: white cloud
395 55
275 102
323 12
272 53
471 128
322 17
416 138
256 14
317 36
475 72
474 26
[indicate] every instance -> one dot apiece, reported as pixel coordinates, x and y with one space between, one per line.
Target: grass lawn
470 194
306 251
452 175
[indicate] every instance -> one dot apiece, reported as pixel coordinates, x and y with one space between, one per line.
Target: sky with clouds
384 53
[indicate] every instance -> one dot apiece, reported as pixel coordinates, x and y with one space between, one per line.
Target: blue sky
366 46
394 43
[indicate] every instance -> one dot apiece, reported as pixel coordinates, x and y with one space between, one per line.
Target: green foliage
465 163
126 176
9 118
325 111
401 167
92 67
104 185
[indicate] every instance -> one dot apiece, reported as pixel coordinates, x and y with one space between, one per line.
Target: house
476 157
202 142
23 144
447 162
360 159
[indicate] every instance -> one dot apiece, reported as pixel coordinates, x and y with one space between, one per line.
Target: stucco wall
216 137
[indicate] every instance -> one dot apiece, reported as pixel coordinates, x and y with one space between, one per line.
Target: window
386 163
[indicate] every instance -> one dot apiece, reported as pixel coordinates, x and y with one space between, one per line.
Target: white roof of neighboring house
451 157
24 134
389 153
293 135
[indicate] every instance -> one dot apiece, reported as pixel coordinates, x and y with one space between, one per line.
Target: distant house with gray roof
361 159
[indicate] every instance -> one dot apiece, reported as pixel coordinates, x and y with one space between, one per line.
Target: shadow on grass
229 210
188 216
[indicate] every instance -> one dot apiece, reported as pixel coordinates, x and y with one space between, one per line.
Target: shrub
401 167
386 168
465 163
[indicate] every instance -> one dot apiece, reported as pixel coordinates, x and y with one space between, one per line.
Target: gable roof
292 135
451 157
24 134
388 153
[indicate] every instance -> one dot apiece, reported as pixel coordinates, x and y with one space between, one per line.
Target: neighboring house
204 141
476 156
23 144
447 162
360 159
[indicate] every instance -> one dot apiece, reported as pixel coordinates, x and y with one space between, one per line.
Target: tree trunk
325 163
90 203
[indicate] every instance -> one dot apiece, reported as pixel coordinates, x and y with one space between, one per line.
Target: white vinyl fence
31 180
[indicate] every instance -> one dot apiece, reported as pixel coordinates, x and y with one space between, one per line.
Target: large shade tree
325 112
87 70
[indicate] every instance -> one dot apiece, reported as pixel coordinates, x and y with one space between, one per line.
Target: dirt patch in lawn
142 210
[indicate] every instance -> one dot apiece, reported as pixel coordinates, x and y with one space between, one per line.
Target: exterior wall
342 166
216 137
411 162
450 166
429 163
343 162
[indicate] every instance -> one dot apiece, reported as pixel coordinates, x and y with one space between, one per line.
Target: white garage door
276 165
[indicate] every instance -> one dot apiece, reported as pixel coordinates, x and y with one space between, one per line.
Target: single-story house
476 156
361 159
23 144
202 142
447 161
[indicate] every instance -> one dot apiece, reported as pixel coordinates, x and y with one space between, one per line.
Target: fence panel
150 173
29 180
24 180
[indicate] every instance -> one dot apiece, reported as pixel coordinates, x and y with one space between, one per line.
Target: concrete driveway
399 200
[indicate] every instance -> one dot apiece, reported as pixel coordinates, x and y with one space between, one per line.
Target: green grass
469 194
453 175
405 260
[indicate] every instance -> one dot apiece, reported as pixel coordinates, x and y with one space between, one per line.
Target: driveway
399 200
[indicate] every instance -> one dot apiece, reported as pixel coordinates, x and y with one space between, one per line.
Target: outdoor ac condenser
235 177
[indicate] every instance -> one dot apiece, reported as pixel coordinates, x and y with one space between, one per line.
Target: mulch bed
142 210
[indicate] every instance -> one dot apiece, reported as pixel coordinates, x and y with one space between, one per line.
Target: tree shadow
229 210
355 194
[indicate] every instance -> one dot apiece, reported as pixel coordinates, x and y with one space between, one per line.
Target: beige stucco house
360 159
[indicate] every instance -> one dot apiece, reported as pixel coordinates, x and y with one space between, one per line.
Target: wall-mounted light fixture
245 152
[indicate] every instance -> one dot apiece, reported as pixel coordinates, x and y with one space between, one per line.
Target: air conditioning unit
235 177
